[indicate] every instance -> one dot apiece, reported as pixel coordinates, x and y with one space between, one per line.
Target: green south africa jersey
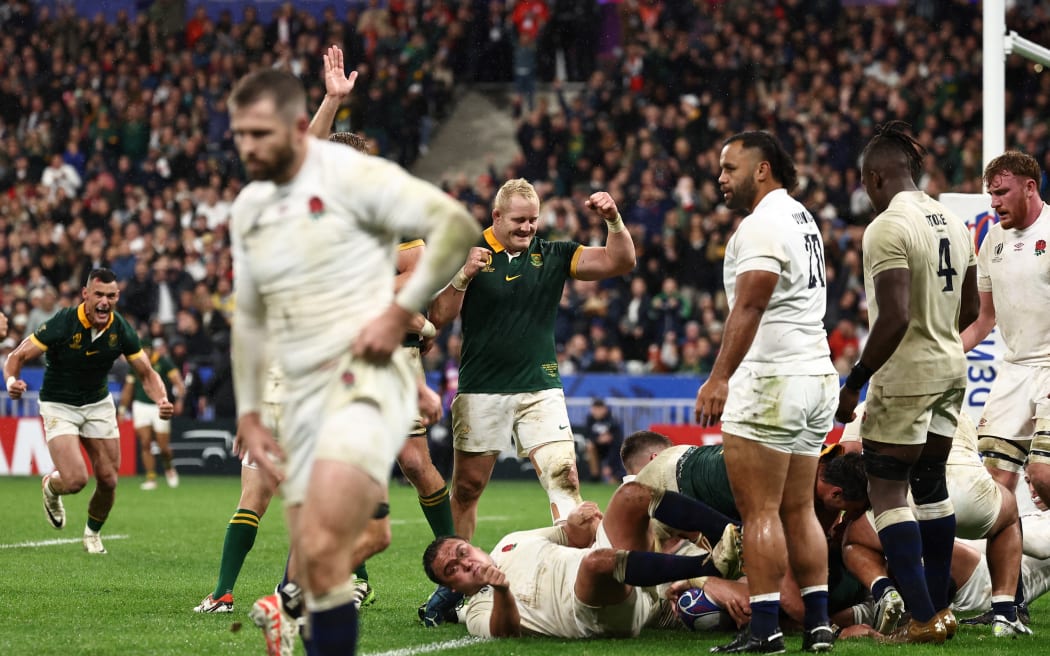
76 367
702 475
508 318
163 366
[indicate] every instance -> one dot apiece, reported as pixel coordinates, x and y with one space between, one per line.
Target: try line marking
486 518
432 647
54 542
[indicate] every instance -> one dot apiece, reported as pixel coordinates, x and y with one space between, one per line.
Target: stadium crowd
116 148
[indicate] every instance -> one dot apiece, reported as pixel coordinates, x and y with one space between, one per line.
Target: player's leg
69 476
481 427
328 526
375 539
1004 558
807 550
104 454
543 432
144 435
895 431
430 486
470 475
757 475
257 490
100 437
162 434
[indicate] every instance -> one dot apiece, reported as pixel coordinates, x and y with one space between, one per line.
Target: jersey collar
490 238
82 315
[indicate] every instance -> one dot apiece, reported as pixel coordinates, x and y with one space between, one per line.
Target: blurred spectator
44 301
604 436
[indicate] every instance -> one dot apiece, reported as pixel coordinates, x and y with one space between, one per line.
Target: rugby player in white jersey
314 239
920 279
773 387
1013 282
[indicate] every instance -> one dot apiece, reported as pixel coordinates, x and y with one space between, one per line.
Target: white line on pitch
483 518
432 647
54 542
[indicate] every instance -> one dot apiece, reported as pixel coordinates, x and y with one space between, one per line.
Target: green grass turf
137 599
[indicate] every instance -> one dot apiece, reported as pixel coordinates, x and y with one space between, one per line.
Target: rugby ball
697 611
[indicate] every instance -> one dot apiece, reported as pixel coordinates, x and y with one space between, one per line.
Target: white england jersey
781 236
1014 266
542 576
917 233
314 258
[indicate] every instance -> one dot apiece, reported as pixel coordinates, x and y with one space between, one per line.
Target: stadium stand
115 146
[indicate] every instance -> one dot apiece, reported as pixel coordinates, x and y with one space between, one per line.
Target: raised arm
617 256
447 304
337 86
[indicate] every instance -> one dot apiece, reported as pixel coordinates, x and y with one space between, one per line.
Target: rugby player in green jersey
507 295
82 343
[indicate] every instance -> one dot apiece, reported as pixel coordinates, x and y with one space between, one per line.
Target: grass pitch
164 548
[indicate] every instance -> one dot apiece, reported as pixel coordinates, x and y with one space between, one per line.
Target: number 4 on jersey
944 264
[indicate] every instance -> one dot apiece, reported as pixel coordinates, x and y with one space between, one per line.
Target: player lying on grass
700 473
551 582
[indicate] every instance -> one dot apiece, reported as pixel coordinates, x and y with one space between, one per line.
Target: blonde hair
517 187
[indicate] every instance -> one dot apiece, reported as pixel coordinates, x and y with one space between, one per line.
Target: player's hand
165 409
17 388
379 338
711 401
478 258
429 405
336 82
602 203
256 441
489 574
848 400
581 525
732 596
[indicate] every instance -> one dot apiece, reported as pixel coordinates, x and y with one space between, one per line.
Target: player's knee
467 489
106 480
879 465
927 481
73 483
599 562
556 466
1002 454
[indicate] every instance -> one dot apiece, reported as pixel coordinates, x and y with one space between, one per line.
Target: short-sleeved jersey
1015 267
77 363
314 257
508 318
699 472
917 233
542 576
163 366
780 236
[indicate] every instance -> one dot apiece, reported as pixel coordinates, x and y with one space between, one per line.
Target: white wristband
11 380
616 225
428 330
460 281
